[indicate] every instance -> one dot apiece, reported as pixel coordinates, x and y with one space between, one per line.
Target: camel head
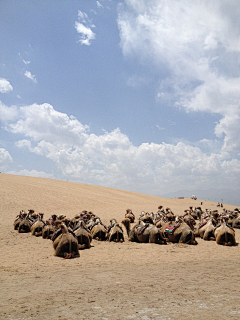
113 222
41 215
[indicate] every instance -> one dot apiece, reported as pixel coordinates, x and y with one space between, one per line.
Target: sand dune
110 280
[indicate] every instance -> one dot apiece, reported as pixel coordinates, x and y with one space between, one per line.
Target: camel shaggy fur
144 233
115 232
67 244
224 234
84 236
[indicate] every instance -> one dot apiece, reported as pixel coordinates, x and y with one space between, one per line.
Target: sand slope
109 281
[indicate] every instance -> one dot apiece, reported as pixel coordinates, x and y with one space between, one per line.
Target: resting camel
32 215
129 215
75 220
224 234
18 220
25 224
84 236
99 232
206 230
67 245
57 235
115 232
144 233
190 221
178 232
234 220
146 217
37 227
48 230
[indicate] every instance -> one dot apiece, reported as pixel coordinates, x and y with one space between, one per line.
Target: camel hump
64 228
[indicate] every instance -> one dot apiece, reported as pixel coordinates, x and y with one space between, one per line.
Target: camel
48 230
146 217
224 234
190 220
67 245
157 217
99 232
129 215
18 220
234 220
75 220
197 213
115 232
25 224
84 236
37 227
206 230
178 232
144 233
57 235
91 223
32 215
52 219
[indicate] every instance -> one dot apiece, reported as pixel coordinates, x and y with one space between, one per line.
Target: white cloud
5 159
26 61
99 5
7 113
83 27
30 76
5 86
112 160
196 44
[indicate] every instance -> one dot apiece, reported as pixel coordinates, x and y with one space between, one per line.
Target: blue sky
135 95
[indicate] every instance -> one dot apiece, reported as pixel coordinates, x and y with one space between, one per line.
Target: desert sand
109 280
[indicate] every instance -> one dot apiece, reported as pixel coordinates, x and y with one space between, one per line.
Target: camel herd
71 235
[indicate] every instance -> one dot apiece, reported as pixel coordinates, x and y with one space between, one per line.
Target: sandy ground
109 280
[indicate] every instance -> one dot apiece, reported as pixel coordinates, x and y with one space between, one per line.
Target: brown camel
25 224
48 230
84 236
37 227
234 220
146 217
224 234
115 232
99 232
144 233
178 232
18 220
67 246
206 230
129 215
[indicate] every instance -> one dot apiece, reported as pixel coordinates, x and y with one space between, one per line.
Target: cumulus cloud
5 159
195 46
110 159
5 86
7 113
83 27
30 76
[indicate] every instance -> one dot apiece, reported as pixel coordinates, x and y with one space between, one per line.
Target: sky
137 95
